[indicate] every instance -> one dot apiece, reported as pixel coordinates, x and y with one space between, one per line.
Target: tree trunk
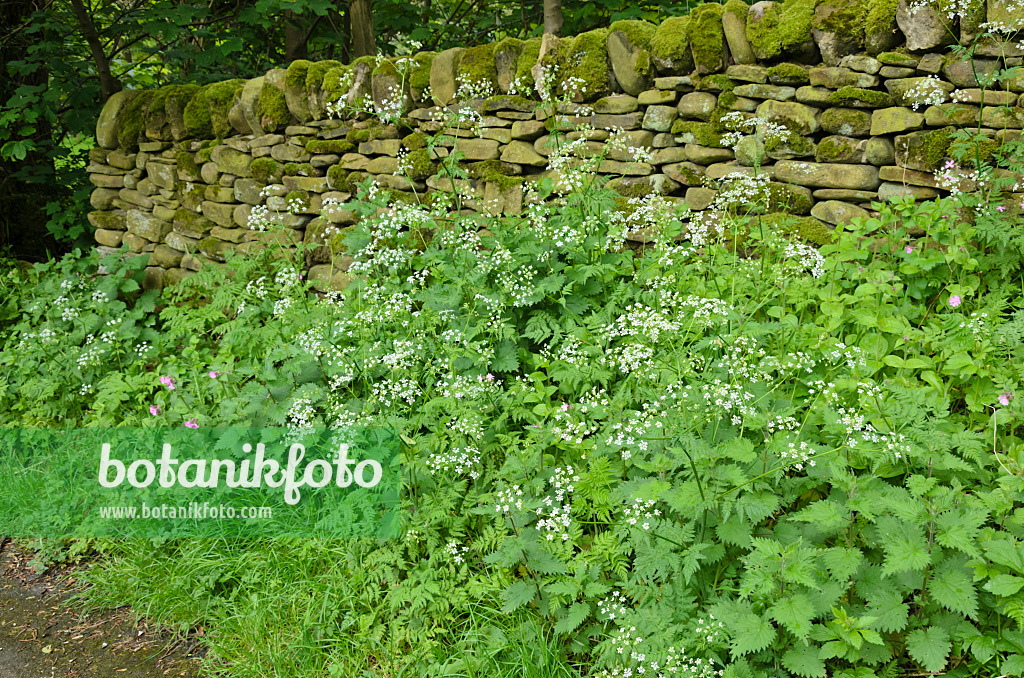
108 83
295 35
553 17
360 14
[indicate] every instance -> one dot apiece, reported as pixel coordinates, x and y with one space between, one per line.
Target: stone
798 117
110 220
880 152
734 28
479 149
827 175
757 91
925 28
895 119
862 63
660 118
308 184
162 174
685 173
328 278
234 235
145 225
527 129
505 64
837 212
833 44
699 198
743 104
108 238
657 96
930 63
324 161
844 194
837 148
522 153
249 101
846 121
241 215
631 63
665 156
165 256
109 120
627 121
705 155
748 73
992 97
902 175
102 198
678 83
1005 13
121 160
164 212
837 78
180 242
135 198
696 105
219 213
896 72
389 91
750 151
814 96
962 73
889 191
285 153
230 161
625 168
219 194
616 104
154 278
136 243
443 71
923 151
663 140
209 173
951 114
655 183
719 170
386 165
1003 118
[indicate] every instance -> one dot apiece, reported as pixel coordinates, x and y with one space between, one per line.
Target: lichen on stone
706 37
784 25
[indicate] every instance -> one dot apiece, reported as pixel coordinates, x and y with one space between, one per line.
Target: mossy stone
860 97
588 63
132 120
838 28
419 74
295 89
789 74
707 39
670 46
629 51
188 170
272 109
506 54
775 28
316 72
336 146
923 151
806 229
701 133
837 148
335 83
846 121
108 122
477 68
880 31
524 66
734 26
266 170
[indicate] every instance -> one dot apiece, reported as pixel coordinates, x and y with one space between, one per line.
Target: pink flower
489 377
908 249
1022 204
214 375
1000 208
191 423
154 410
168 382
1004 399
955 300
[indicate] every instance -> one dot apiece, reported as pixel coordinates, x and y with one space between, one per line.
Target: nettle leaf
1013 666
842 563
825 514
889 610
804 661
750 633
955 591
905 546
517 594
929 647
1004 584
794 612
576 615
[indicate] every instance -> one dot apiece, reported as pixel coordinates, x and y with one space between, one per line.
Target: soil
42 636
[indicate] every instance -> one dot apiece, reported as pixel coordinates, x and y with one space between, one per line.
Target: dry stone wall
866 88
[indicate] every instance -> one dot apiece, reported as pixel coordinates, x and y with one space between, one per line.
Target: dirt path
41 637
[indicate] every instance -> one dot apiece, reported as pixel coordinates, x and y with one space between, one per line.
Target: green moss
414 141
356 136
588 62
477 67
338 146
187 163
203 156
296 74
526 61
834 149
788 74
316 72
272 109
336 177
132 122
737 8
639 189
846 19
853 96
783 26
370 61
265 170
672 43
706 37
807 229
703 133
419 165
898 59
419 76
880 16
179 94
726 100
932 147
386 68
191 224
639 33
334 78
297 197
495 172
298 169
717 82
219 98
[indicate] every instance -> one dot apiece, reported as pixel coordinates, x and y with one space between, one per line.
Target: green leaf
750 633
804 661
929 647
570 622
955 591
889 610
843 563
1004 584
517 594
795 613
905 546
1013 666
